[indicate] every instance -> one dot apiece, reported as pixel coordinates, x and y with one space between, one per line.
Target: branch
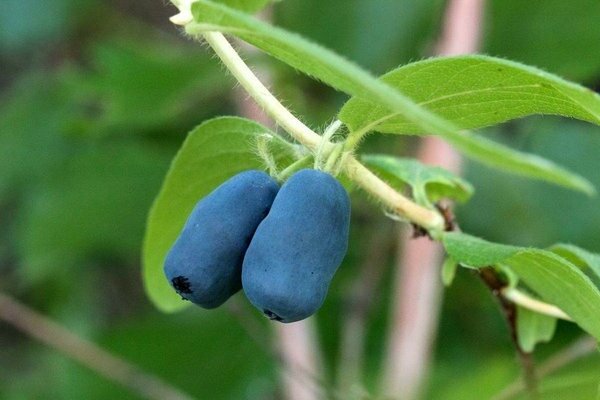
87 353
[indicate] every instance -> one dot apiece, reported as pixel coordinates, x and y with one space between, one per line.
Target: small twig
578 349
493 281
87 353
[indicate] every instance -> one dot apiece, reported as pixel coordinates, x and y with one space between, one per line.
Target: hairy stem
396 202
326 148
334 158
294 167
87 353
262 145
355 138
255 88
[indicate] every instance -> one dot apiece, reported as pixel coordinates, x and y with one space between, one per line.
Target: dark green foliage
204 265
298 247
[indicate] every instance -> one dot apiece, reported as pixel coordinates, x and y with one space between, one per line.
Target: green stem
490 277
255 88
326 147
333 158
262 145
294 167
354 139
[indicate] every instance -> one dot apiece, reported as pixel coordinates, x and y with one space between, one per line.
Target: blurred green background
97 95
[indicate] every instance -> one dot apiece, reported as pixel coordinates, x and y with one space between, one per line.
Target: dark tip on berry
181 285
272 316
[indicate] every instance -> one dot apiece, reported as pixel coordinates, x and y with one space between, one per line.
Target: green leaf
476 252
478 91
536 206
449 271
428 183
533 328
553 278
343 75
472 92
212 153
314 60
578 256
501 157
561 283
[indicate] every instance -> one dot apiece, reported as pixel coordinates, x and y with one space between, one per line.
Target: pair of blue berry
282 245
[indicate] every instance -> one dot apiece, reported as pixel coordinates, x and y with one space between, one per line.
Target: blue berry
204 265
298 247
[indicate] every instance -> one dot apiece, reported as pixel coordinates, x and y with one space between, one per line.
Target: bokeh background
97 95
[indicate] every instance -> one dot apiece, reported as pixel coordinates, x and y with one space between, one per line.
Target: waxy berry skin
298 247
204 264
